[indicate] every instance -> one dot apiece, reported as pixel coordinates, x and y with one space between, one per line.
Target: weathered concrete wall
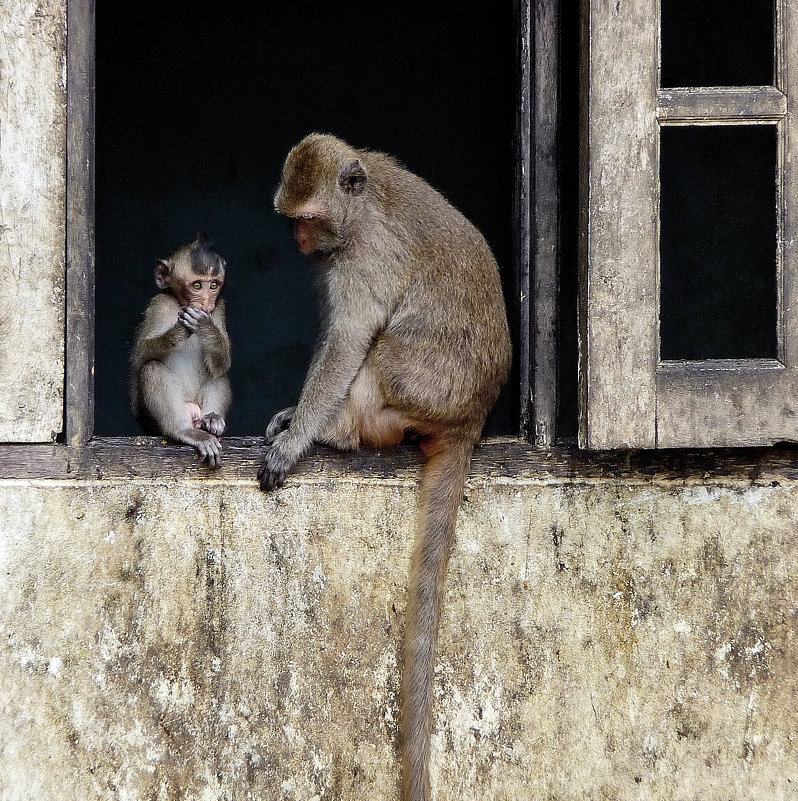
32 218
601 639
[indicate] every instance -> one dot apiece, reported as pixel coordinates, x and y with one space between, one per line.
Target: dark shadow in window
718 242
196 110
567 346
717 43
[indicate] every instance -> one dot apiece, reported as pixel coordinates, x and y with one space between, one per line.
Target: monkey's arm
161 332
212 332
333 369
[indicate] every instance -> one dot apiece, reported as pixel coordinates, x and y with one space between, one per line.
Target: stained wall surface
195 639
32 218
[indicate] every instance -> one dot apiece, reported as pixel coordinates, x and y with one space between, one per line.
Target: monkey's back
445 351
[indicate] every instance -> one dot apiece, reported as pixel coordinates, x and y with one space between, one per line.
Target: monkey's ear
163 274
352 177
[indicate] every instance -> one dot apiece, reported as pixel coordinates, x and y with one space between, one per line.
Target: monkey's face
314 235
194 274
322 177
198 291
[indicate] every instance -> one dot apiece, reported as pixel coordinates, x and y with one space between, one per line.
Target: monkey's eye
214 286
197 285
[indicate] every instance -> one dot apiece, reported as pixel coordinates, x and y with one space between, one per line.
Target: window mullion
79 383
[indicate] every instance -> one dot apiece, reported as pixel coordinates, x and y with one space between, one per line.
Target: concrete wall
32 218
602 638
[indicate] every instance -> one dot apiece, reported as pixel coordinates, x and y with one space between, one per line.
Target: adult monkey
414 340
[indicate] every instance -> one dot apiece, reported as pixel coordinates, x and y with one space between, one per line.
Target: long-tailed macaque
179 364
415 341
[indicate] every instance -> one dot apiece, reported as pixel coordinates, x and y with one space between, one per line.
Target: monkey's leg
365 419
215 403
162 396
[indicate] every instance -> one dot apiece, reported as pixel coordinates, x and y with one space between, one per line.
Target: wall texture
603 638
32 218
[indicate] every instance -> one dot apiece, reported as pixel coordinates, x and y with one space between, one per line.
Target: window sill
505 460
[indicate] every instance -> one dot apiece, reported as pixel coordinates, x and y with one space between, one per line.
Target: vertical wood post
79 389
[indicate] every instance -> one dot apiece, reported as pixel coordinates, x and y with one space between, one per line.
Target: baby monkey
179 385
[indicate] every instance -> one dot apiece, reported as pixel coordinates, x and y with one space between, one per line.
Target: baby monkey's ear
163 274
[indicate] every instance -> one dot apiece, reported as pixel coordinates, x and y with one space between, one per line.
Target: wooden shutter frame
628 397
80 273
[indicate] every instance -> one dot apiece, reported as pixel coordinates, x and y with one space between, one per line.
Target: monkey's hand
283 454
194 319
212 423
279 423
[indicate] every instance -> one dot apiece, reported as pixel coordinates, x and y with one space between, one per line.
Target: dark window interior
718 242
567 353
196 110
718 282
717 43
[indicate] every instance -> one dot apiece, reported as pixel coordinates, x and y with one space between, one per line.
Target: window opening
717 43
192 129
718 296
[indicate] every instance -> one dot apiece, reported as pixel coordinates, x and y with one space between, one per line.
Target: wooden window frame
79 371
535 229
537 216
629 397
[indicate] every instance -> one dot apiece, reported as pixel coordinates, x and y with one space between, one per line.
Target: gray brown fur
179 386
415 341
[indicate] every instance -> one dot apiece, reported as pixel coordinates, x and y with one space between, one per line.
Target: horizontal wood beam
718 105
149 459
693 366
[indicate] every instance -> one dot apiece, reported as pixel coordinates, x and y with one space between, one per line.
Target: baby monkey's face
199 291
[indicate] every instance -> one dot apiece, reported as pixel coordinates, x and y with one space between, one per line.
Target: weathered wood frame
535 222
537 215
629 398
79 379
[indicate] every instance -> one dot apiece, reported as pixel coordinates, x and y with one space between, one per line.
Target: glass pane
717 42
718 242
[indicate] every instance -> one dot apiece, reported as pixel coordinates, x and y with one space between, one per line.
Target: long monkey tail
442 482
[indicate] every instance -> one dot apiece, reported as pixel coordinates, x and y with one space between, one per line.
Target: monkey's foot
210 452
207 446
278 423
212 423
